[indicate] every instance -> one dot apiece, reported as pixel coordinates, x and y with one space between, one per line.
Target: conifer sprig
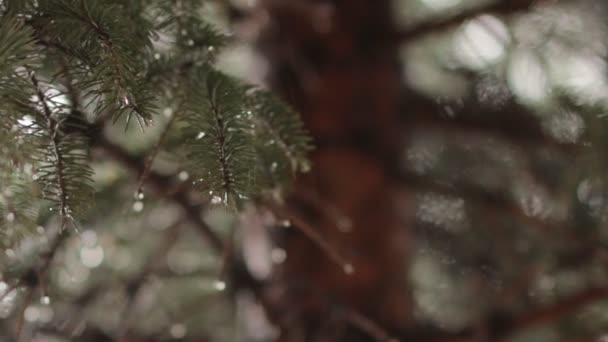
63 172
104 50
281 141
222 157
17 49
182 19
17 213
109 50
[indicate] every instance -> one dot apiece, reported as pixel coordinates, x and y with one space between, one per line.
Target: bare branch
557 311
503 7
310 232
367 325
21 319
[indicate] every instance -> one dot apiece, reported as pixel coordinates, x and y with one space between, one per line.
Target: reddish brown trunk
334 63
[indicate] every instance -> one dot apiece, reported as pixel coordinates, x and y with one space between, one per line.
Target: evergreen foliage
18 50
63 172
220 147
107 43
78 74
282 142
67 65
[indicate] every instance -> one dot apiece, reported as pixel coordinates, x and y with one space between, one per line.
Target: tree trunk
335 63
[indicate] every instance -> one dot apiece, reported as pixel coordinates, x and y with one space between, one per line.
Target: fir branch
109 65
64 171
17 49
282 142
18 211
191 33
53 130
220 149
194 43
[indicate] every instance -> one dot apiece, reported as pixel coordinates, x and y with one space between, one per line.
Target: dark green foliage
496 171
182 19
17 215
17 49
64 172
221 154
69 70
281 141
250 136
107 49
67 64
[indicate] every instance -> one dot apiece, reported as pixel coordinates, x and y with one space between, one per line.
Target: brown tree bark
335 62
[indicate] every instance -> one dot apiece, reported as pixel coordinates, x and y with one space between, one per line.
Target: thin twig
21 318
328 209
310 232
227 258
55 141
559 310
507 326
162 184
10 289
503 7
152 155
519 127
365 324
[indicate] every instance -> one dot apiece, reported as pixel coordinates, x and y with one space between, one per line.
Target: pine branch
107 65
220 150
18 144
53 129
191 34
282 142
17 50
64 172
194 43
17 210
